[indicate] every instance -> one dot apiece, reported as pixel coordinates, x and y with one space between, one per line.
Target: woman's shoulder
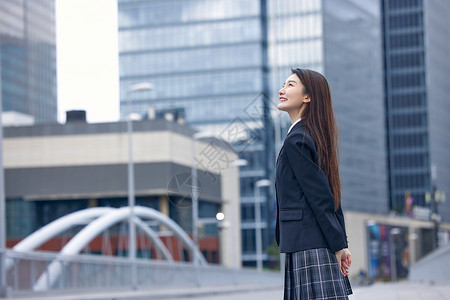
299 135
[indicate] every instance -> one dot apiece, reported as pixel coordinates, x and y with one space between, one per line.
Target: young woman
310 225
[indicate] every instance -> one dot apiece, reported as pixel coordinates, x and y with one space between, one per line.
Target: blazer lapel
280 153
293 128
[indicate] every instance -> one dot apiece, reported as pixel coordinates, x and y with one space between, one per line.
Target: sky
87 59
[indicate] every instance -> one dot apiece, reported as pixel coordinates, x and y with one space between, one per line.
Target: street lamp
3 289
258 239
240 163
144 86
195 189
434 199
237 163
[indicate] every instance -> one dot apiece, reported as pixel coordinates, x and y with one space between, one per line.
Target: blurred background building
225 59
52 170
216 66
220 60
210 59
416 93
28 61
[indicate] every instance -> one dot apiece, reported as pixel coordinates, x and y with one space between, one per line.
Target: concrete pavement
377 291
230 292
403 291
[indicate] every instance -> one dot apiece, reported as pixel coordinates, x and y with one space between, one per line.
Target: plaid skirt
314 274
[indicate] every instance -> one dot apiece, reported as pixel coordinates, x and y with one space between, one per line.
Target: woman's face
292 95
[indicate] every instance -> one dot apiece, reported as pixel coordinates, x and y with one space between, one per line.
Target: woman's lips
282 99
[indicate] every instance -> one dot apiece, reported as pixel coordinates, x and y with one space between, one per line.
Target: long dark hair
319 120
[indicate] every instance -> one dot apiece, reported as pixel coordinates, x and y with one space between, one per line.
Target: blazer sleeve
315 186
340 217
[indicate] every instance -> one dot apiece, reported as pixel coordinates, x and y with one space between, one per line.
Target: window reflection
189 35
277 7
296 27
185 11
298 53
191 60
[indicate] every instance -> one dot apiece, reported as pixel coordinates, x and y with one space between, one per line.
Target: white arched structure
60 225
81 217
103 222
57 227
159 245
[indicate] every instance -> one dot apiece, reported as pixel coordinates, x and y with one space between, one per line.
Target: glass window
248 240
248 212
189 35
406 40
404 60
409 140
414 160
277 7
299 53
407 80
199 85
405 20
285 29
404 3
198 59
410 120
207 209
408 100
185 11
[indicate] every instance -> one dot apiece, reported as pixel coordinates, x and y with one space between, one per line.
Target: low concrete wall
435 267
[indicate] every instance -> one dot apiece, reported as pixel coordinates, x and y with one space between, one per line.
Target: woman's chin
281 106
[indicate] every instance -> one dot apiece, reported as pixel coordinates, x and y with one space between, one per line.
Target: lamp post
258 238
195 189
434 199
3 288
237 163
195 196
144 86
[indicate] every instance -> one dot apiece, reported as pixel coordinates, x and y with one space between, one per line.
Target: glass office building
342 40
28 58
415 60
353 66
205 56
224 61
437 64
210 59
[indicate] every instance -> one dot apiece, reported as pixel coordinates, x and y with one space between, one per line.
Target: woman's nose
281 91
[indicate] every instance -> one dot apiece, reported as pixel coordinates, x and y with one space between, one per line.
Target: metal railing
96 272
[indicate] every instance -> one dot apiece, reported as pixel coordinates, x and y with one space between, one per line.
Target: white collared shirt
293 124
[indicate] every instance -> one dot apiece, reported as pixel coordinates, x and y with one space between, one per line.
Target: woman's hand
344 258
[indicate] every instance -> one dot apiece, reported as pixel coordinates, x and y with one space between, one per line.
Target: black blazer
306 218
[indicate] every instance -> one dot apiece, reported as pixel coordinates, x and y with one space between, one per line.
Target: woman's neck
294 116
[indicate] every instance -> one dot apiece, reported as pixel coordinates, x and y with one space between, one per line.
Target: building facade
52 170
342 40
28 58
205 56
210 59
438 93
416 93
353 66
224 61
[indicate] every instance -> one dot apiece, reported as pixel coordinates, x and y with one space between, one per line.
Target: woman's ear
306 98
